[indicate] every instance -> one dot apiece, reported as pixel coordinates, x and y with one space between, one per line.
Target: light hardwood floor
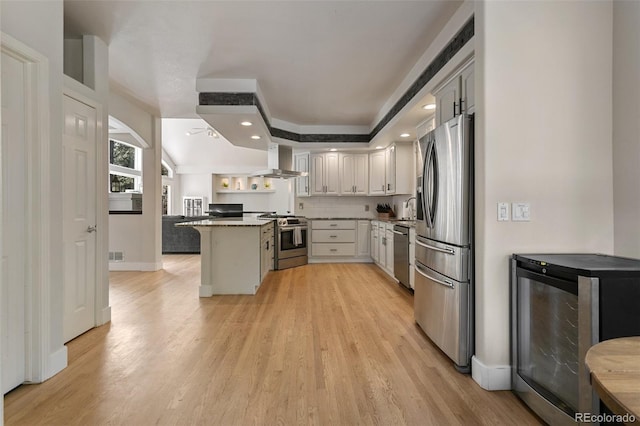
329 344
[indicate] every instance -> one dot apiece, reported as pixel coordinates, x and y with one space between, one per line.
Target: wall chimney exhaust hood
279 163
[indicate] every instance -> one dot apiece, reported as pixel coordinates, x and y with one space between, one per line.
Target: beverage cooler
561 305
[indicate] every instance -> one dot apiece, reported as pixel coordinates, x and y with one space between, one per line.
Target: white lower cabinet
382 245
389 246
363 246
340 240
374 241
266 250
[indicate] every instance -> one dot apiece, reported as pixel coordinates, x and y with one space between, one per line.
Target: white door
332 174
361 174
347 168
79 217
390 170
317 174
302 183
14 225
377 180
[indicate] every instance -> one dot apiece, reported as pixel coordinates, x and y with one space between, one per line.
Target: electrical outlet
366 207
300 206
521 212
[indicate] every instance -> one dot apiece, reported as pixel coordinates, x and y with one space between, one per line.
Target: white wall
39 24
544 127
139 236
626 127
194 185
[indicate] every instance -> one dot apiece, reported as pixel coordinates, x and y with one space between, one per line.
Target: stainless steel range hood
279 163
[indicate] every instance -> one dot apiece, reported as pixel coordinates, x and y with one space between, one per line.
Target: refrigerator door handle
445 283
430 200
442 250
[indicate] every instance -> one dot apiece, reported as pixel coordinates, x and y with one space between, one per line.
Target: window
167 178
125 167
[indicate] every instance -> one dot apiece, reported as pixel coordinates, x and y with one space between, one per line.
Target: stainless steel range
291 241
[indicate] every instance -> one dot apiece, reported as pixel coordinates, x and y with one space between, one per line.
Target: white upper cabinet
467 81
447 100
325 176
392 171
377 177
354 174
302 165
457 96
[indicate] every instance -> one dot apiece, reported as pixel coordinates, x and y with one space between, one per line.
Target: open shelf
242 184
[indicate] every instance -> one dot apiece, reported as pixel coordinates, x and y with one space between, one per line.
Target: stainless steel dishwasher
401 254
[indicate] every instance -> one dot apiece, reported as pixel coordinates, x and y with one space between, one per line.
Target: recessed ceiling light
405 135
256 137
429 106
246 123
378 147
188 133
333 150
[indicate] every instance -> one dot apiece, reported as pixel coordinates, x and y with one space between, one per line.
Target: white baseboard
205 291
104 316
135 266
491 377
57 362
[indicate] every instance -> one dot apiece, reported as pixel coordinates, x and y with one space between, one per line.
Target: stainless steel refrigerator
443 297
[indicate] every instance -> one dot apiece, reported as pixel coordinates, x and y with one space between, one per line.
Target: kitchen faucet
407 204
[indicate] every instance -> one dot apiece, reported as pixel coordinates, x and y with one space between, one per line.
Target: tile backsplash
339 207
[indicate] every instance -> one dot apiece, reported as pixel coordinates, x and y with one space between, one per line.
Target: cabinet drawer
333 224
333 249
330 236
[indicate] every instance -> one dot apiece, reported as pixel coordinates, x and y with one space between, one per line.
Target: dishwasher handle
445 283
398 232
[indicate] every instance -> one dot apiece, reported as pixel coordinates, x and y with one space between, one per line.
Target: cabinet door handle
333 236
388 187
454 108
461 102
333 224
333 249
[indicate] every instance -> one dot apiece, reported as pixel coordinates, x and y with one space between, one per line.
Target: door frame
102 310
38 282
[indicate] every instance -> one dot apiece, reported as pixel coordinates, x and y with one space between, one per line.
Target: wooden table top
614 366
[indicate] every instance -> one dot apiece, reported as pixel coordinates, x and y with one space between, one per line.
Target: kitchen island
235 254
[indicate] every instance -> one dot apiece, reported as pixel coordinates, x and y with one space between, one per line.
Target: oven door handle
291 228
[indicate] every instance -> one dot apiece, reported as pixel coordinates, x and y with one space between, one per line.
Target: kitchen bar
236 254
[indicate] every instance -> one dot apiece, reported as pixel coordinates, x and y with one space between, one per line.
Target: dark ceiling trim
245 99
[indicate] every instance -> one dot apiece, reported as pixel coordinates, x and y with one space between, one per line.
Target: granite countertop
405 222
340 218
244 221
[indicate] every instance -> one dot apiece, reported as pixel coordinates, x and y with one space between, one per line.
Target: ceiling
316 62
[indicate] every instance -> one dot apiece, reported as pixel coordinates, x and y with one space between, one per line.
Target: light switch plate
300 206
520 212
503 212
